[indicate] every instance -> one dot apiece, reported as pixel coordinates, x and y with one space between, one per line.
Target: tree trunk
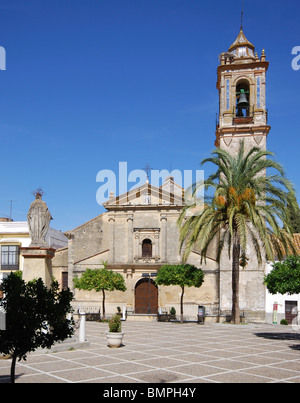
235 314
103 304
13 367
181 305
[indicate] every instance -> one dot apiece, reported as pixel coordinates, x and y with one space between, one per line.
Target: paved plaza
154 352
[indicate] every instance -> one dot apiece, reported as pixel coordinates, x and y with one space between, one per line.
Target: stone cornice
238 131
37 252
144 207
224 68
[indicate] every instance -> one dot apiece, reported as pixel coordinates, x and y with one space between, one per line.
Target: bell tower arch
242 96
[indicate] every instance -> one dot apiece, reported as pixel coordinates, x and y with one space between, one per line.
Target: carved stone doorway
146 297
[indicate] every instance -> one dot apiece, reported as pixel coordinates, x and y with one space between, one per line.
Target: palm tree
247 203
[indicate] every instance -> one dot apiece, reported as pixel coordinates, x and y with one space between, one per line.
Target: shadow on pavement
282 336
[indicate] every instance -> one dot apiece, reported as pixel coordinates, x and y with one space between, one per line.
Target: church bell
242 102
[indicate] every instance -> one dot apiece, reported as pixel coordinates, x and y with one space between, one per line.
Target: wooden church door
146 297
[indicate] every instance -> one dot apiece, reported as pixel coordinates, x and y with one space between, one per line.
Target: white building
282 306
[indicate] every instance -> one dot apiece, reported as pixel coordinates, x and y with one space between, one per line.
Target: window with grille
147 248
9 257
64 280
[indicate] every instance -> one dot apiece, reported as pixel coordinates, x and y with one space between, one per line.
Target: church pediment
148 195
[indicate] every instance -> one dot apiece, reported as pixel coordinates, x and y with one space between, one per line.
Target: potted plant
114 334
172 313
119 313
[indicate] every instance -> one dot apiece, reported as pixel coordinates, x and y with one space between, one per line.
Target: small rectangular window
258 92
64 280
227 94
9 257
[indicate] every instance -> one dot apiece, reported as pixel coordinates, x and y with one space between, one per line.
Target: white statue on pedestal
38 218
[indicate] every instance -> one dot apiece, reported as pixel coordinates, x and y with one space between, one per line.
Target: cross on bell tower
242 96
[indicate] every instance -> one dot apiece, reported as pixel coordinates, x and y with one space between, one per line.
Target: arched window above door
147 248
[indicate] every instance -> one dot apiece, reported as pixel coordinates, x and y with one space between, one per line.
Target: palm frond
241 199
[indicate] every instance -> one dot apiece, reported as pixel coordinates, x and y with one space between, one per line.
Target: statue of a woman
38 218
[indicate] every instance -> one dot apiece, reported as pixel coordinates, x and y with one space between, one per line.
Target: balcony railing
242 120
236 120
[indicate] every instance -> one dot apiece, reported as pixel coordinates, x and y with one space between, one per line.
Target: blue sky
90 83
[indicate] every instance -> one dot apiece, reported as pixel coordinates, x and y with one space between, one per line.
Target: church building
139 233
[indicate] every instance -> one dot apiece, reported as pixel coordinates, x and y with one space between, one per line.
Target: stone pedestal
38 264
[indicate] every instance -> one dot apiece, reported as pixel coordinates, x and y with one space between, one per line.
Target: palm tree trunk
235 315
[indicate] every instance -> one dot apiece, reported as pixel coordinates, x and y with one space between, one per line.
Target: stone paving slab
158 353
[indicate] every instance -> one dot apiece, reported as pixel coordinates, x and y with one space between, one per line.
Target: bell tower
242 96
242 116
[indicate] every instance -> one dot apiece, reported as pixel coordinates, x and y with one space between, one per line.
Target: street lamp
149 275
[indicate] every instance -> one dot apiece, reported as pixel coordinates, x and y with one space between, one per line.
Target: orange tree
183 275
285 276
100 280
36 316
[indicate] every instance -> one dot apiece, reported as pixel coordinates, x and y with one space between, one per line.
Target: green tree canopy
285 277
184 275
35 317
100 280
245 202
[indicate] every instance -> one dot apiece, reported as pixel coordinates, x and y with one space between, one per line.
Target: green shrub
173 311
114 324
284 322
